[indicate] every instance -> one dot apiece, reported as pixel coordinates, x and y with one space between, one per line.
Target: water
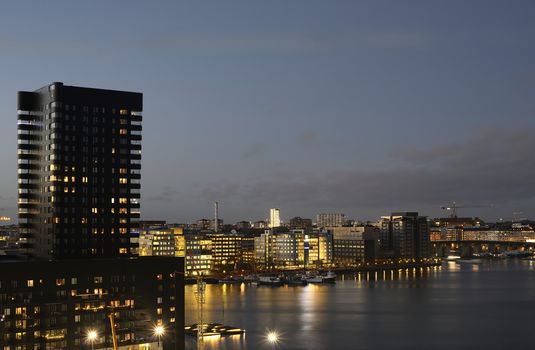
487 306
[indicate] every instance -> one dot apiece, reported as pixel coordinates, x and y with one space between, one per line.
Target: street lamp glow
92 335
159 330
272 337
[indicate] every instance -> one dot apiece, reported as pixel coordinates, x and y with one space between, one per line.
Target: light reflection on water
465 306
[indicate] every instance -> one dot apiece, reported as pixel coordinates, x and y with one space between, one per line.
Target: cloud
166 194
255 150
493 167
308 137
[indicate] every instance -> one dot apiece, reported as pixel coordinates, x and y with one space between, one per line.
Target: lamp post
91 337
159 331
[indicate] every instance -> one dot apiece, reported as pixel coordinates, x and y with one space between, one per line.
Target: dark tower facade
79 171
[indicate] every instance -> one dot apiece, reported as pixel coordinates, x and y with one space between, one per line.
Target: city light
159 331
92 335
273 338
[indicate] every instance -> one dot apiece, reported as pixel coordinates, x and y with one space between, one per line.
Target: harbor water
457 306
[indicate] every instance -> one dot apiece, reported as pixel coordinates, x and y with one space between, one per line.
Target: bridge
466 248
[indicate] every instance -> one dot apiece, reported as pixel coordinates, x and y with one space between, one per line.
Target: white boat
330 277
269 281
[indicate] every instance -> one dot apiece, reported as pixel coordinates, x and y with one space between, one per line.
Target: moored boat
269 281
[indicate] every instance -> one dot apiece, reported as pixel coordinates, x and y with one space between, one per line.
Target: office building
274 217
298 222
226 251
330 219
243 225
198 255
162 241
79 154
354 245
405 235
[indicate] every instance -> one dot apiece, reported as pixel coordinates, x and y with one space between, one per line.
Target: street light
272 338
91 337
159 331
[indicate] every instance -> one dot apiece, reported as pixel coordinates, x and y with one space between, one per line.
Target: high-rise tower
274 217
79 171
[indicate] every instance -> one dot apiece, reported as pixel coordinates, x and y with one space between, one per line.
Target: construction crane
453 208
111 316
200 296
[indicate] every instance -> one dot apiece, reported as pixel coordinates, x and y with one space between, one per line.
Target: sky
360 107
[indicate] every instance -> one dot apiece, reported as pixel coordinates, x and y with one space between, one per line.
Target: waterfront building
298 222
274 217
296 248
354 245
247 251
198 255
330 219
405 235
318 249
54 304
226 251
79 154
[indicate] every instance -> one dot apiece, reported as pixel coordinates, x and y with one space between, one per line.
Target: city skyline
357 105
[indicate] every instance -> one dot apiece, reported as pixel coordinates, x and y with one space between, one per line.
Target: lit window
123 180
123 131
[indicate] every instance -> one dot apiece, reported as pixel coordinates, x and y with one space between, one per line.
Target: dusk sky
361 107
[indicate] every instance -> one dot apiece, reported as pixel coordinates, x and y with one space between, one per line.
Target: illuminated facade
294 249
198 255
226 251
79 170
274 217
330 219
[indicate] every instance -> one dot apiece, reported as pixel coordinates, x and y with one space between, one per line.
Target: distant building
146 224
247 251
354 245
219 224
198 255
296 248
243 225
330 219
405 235
274 217
260 224
204 224
298 222
226 251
